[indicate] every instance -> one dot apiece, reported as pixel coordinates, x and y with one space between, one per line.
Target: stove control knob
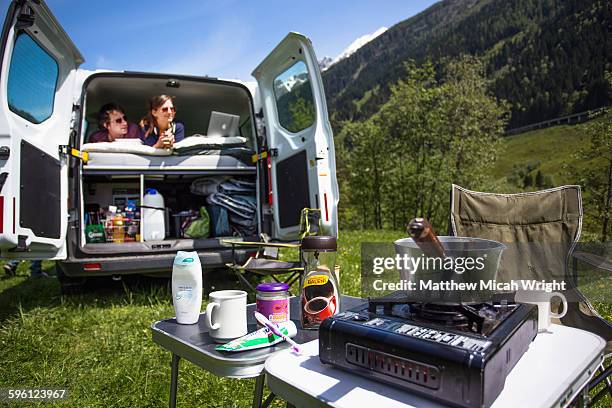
361 317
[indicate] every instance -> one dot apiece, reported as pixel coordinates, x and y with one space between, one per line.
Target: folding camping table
193 343
553 371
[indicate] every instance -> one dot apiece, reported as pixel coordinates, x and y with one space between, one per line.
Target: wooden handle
425 237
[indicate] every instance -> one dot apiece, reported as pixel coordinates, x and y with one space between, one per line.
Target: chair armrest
253 244
594 260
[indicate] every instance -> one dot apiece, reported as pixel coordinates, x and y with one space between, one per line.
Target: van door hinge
5 152
73 116
26 17
264 155
3 177
70 151
259 156
22 245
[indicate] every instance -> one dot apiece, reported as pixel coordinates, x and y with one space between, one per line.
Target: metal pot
464 275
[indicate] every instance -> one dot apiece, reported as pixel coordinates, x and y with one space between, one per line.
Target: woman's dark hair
104 114
155 103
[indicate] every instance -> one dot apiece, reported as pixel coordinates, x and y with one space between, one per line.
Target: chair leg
244 281
294 277
603 376
597 397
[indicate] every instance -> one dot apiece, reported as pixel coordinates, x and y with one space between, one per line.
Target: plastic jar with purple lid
273 301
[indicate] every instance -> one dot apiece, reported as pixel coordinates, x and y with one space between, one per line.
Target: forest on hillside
446 127
545 58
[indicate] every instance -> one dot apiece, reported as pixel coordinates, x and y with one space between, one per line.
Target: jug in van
153 215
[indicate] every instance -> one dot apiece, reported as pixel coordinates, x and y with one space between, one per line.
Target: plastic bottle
118 228
131 225
187 287
153 212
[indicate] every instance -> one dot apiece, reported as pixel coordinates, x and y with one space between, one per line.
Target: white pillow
198 140
131 140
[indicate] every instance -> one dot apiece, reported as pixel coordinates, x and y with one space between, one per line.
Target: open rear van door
300 139
39 66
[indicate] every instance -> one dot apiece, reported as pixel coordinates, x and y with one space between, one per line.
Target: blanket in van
125 146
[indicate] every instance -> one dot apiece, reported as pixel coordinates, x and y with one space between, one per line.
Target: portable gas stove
458 354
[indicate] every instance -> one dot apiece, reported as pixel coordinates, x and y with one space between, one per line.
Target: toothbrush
274 328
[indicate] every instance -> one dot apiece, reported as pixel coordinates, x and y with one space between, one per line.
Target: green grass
98 344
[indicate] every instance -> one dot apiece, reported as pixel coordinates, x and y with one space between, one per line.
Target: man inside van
113 125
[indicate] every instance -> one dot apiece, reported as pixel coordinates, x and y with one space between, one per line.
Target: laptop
222 124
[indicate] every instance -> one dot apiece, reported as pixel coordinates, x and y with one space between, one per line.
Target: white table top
557 364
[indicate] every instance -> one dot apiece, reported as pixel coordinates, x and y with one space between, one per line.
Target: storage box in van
56 198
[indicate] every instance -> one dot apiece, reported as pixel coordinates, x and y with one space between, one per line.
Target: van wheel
69 285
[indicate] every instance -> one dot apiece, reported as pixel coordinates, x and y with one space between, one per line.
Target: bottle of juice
118 230
319 295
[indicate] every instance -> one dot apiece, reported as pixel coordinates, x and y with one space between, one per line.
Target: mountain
281 86
546 57
327 62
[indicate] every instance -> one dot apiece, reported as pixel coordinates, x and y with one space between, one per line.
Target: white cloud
212 53
103 63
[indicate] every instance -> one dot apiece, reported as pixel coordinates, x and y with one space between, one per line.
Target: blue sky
225 38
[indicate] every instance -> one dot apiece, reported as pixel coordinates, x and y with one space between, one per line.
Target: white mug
226 316
542 300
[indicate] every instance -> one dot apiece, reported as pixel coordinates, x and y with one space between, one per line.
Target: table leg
258 394
268 400
174 380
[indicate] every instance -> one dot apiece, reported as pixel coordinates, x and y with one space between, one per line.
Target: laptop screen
223 124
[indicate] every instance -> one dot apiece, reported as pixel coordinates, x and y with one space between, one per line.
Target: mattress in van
135 162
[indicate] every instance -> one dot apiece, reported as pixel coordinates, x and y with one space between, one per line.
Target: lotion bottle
187 287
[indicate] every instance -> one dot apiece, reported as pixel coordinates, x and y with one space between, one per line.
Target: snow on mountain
327 62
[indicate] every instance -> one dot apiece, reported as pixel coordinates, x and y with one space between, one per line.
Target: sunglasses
165 109
121 119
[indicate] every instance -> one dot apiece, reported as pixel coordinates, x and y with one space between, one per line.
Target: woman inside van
159 129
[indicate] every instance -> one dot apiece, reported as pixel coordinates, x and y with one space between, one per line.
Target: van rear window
294 102
32 80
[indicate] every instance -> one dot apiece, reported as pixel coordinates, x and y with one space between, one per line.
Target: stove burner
480 318
460 317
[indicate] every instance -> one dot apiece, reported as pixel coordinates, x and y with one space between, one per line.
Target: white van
50 191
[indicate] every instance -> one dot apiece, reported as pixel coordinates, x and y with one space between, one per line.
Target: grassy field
555 148
98 344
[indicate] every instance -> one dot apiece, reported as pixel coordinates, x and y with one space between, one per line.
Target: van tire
68 285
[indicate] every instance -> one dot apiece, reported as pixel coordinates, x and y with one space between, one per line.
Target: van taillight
270 196
92 266
326 209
